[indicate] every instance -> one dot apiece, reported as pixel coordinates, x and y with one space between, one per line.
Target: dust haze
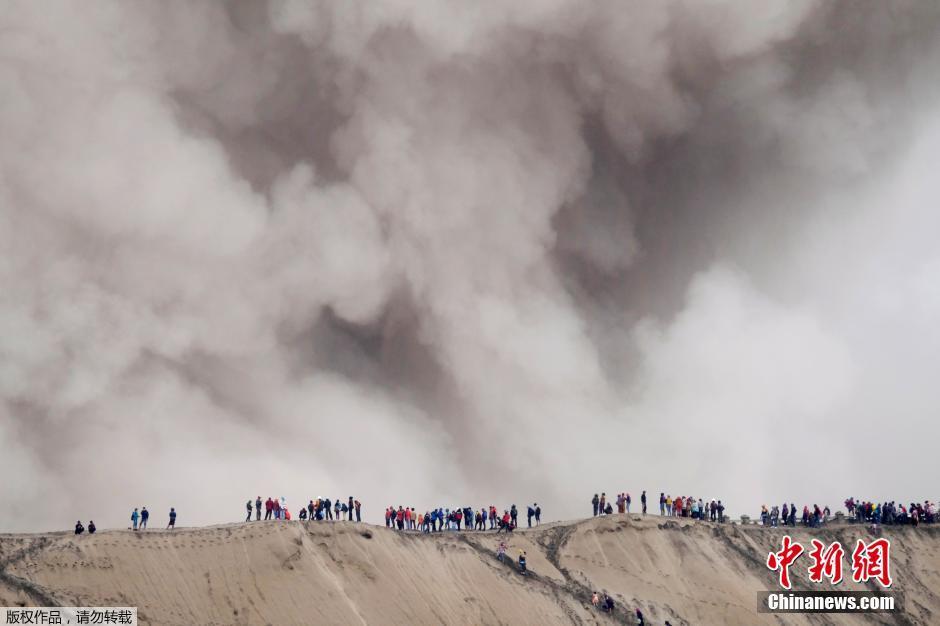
464 253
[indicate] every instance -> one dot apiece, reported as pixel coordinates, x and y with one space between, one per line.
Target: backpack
344 508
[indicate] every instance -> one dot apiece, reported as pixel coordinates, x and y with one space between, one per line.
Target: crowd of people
786 515
321 509
680 506
891 512
688 506
864 512
466 518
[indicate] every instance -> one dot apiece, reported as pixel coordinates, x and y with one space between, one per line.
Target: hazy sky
463 253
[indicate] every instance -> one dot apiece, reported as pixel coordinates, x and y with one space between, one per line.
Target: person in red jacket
400 518
506 523
268 508
388 516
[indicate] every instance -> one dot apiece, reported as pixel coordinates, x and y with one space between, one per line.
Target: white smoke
464 253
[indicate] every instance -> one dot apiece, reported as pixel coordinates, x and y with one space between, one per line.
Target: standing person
258 509
530 514
538 514
596 502
352 505
628 505
310 510
522 563
134 517
639 618
172 523
277 508
91 527
662 503
337 508
514 514
595 600
268 508
643 501
501 551
248 519
358 510
388 517
603 502
144 516
328 509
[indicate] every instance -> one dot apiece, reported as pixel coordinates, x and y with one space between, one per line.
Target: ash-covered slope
293 573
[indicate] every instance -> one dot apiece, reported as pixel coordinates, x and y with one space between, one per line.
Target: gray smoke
465 253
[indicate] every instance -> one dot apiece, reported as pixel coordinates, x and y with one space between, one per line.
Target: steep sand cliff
342 573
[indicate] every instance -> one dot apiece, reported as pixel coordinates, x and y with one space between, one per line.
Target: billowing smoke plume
459 253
